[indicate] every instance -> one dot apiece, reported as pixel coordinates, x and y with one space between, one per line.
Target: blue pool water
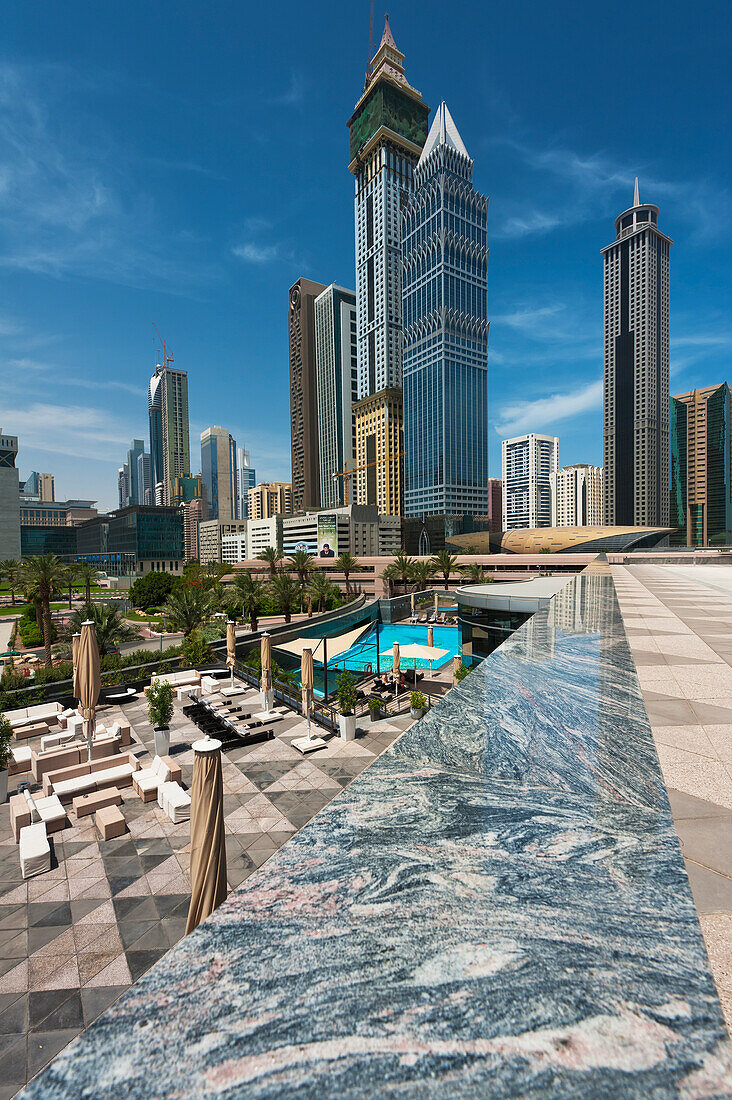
363 653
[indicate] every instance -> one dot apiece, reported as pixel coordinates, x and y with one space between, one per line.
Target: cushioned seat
148 781
34 850
113 775
67 788
20 759
51 812
175 802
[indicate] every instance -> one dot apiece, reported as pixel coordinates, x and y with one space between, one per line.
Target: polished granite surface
496 907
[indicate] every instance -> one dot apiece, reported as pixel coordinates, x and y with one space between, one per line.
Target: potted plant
6 738
160 711
375 709
417 704
346 696
461 672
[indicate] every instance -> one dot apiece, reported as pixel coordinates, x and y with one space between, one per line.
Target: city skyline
555 183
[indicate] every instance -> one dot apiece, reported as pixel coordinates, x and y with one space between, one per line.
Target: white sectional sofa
41 712
184 678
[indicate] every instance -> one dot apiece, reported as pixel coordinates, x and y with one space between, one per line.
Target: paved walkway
679 624
73 939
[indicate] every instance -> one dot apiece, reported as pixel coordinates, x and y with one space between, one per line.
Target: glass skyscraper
445 316
701 466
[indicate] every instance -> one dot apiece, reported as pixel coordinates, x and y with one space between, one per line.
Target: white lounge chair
175 802
34 850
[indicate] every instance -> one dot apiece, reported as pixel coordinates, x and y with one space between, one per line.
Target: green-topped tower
388 129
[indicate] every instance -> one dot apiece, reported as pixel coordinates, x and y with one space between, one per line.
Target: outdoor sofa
95 775
28 809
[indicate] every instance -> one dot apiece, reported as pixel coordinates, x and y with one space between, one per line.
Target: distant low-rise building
234 548
262 533
57 513
134 541
356 529
578 496
270 498
210 534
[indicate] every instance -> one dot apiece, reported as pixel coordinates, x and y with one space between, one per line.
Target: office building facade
354 529
192 513
337 377
9 498
387 132
59 513
578 496
210 535
169 430
445 318
246 479
636 369
39 487
144 479
495 504
262 533
528 463
270 498
701 466
304 394
378 479
133 541
219 473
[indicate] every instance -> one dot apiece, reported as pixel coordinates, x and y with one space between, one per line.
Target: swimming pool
363 653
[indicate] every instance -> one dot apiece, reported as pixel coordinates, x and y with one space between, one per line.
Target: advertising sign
327 536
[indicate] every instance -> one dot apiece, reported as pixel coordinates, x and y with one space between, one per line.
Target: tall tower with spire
636 370
388 129
445 302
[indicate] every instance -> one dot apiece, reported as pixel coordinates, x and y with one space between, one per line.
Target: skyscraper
9 498
387 132
137 448
169 431
270 498
701 466
144 479
578 496
335 356
636 361
218 470
304 395
445 304
528 463
246 479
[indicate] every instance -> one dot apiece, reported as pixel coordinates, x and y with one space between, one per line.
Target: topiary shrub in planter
346 695
375 709
417 704
160 711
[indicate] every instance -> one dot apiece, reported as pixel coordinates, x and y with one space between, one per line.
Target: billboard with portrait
327 536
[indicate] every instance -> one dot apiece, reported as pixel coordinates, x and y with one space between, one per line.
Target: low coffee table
85 804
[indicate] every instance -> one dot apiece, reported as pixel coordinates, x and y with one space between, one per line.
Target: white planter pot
416 712
347 726
4 785
162 740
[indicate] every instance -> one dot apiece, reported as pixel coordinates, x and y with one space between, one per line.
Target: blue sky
184 162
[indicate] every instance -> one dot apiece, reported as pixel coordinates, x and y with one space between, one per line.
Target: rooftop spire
443 132
636 200
387 38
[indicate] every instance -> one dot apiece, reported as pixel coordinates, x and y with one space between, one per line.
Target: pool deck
497 906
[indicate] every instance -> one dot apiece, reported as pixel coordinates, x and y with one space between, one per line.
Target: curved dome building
554 540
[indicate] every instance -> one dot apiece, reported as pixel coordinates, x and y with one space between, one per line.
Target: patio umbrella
266 658
307 679
231 647
88 680
430 637
75 662
456 662
310 606
396 664
437 602
422 653
208 849
412 603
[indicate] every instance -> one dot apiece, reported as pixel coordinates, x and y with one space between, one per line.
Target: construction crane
167 358
346 473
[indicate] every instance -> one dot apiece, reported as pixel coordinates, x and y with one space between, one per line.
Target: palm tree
69 578
250 590
212 573
302 563
86 574
347 564
446 563
187 609
272 558
421 573
12 572
403 566
109 626
320 589
473 572
285 592
46 575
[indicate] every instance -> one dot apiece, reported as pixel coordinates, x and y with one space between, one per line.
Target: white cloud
537 415
79 431
257 253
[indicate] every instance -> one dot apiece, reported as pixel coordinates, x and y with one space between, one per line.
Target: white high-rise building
337 372
636 360
578 496
528 462
246 479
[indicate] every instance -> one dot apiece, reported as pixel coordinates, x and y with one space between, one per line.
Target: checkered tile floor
72 940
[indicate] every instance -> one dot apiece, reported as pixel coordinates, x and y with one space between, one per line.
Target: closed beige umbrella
307 679
310 606
231 647
412 603
456 662
74 662
88 679
208 849
396 664
430 637
266 661
437 602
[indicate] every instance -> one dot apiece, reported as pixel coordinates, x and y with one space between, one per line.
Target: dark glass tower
701 462
445 307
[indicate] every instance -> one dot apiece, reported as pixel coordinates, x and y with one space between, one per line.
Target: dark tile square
140 961
95 1000
14 1017
14 1063
49 914
54 1009
45 1045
